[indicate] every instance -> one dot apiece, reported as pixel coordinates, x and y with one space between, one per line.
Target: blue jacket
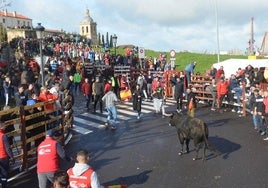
190 68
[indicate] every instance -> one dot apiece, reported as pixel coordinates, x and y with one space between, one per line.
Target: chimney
14 14
5 12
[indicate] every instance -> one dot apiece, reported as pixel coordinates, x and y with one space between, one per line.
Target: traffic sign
141 53
172 53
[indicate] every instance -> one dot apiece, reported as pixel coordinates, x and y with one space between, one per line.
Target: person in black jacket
137 100
257 110
191 101
179 92
97 91
173 81
20 97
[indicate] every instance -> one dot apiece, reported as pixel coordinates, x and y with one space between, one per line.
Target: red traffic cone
116 186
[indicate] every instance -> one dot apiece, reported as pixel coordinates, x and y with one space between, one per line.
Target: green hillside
204 61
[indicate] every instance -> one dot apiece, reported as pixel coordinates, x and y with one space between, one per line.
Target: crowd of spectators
65 58
230 91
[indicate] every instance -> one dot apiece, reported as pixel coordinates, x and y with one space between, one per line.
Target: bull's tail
208 145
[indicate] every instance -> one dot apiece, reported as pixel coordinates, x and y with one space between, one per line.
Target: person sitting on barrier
5 155
82 175
189 70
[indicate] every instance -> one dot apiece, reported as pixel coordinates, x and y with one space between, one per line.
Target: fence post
23 138
244 98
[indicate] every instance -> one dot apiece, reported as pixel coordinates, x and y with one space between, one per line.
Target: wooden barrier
201 83
168 86
26 127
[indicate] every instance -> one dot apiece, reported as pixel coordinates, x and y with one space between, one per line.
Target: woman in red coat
222 89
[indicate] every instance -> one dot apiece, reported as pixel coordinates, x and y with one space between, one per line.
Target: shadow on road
217 123
138 179
224 146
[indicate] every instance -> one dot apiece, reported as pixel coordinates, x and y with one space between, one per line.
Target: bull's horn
167 115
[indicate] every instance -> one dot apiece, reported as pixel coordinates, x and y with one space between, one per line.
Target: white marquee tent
230 66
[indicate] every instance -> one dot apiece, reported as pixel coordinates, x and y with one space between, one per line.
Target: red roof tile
12 15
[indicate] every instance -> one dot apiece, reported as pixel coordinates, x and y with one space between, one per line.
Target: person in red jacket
123 82
87 92
44 96
5 155
222 90
48 153
107 86
82 175
219 74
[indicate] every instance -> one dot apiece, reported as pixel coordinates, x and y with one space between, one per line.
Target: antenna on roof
251 50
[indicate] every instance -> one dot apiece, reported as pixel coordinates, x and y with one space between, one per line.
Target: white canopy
230 66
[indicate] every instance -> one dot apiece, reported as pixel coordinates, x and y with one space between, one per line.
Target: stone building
14 20
88 28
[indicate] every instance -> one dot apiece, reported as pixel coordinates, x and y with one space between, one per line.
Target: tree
107 40
111 41
3 34
102 38
99 39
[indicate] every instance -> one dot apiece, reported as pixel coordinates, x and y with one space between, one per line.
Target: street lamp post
114 38
39 33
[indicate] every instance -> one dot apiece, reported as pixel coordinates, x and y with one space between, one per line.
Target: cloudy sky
156 24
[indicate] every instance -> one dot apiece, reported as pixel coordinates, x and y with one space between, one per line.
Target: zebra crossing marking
125 113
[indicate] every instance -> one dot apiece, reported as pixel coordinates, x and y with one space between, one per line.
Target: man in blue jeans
109 99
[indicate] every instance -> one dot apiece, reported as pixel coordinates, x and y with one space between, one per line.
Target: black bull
191 128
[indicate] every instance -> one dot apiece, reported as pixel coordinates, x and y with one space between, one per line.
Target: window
86 29
4 20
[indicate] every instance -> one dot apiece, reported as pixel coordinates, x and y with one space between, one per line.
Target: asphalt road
144 154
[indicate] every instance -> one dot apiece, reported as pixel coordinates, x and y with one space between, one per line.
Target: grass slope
204 61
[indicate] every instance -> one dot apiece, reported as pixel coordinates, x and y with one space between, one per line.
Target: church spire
87 16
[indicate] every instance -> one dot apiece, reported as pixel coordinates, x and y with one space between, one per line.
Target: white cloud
156 24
